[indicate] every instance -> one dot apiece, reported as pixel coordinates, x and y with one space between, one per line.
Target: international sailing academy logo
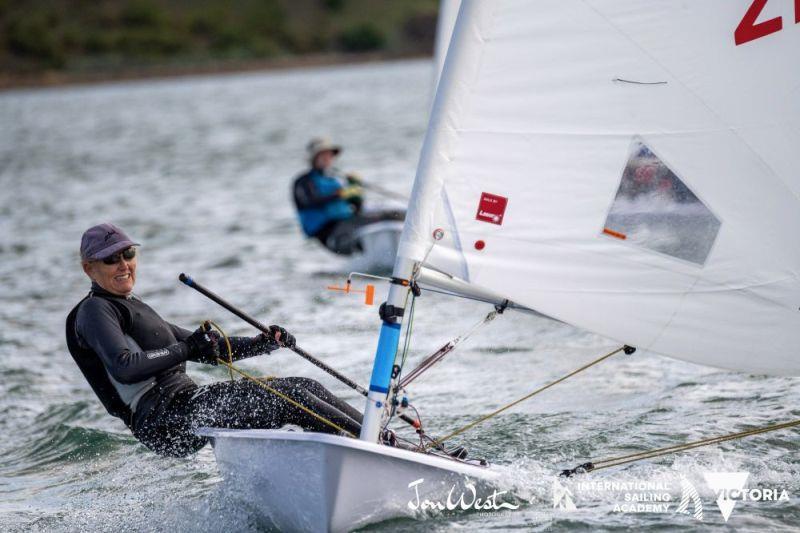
562 497
689 495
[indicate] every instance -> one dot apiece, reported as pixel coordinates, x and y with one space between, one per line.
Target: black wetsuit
136 363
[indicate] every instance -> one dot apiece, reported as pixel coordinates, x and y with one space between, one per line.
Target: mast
416 241
380 382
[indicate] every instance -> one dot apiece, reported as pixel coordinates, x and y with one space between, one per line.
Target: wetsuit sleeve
242 347
180 333
99 325
306 195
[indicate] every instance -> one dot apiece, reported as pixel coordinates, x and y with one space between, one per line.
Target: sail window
654 209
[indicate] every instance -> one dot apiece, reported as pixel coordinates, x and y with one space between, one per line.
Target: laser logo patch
491 208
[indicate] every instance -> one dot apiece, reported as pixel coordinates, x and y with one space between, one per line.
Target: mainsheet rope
440 440
641 456
263 385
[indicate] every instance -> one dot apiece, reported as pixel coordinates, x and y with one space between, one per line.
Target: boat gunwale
484 472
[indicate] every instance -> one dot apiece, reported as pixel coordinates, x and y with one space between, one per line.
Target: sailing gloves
351 192
276 338
282 336
203 345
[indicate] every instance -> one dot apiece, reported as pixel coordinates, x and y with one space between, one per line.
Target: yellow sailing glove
351 192
354 179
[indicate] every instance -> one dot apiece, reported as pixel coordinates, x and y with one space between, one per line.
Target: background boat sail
626 167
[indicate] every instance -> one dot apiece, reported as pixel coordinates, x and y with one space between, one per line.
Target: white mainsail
627 167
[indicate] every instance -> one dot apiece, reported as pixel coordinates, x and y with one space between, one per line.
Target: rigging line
285 397
439 354
626 349
227 344
260 383
409 328
406 346
641 456
418 266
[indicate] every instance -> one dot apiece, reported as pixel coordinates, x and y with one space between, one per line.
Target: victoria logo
730 489
726 485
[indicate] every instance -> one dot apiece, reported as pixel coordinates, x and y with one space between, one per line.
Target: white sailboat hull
379 242
317 482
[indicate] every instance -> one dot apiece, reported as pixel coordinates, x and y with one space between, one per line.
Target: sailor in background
329 206
136 363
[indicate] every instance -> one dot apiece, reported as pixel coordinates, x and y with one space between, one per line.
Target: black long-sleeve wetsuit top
132 358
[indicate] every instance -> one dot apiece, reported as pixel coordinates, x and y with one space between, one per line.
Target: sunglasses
126 254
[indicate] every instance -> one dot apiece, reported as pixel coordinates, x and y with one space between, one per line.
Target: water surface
198 171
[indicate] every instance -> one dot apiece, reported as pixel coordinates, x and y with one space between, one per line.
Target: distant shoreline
46 79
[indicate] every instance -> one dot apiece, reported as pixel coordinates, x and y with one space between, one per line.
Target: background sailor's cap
103 240
321 144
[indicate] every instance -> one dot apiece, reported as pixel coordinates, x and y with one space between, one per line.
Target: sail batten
663 216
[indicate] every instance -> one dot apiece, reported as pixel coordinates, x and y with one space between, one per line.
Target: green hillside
37 36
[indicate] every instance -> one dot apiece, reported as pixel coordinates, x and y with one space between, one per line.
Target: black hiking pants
169 428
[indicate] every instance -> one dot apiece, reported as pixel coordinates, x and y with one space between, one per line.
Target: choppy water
198 171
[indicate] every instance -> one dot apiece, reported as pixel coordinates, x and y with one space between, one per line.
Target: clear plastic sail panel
654 209
646 158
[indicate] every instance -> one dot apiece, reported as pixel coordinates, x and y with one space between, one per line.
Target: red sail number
748 30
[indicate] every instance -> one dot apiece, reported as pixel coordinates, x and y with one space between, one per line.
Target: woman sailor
136 363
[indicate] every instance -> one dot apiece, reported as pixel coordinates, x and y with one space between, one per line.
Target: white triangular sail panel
544 114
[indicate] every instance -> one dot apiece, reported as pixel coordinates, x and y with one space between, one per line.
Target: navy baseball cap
103 240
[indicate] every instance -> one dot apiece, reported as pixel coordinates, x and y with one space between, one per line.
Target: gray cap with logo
103 240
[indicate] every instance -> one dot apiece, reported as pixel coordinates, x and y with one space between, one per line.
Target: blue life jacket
317 203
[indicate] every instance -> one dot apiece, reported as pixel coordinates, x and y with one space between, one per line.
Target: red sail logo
491 208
